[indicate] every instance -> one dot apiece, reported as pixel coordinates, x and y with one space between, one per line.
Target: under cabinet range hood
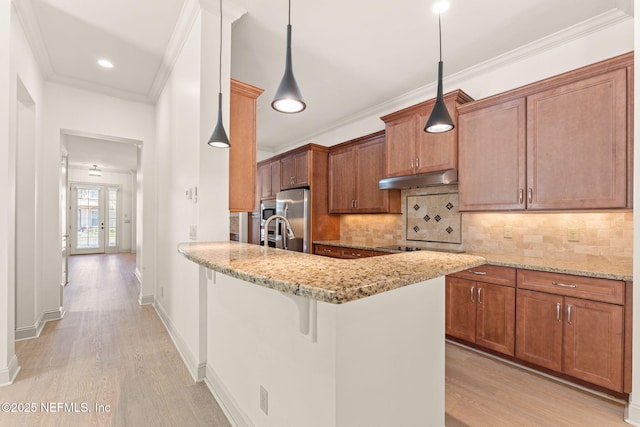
429 179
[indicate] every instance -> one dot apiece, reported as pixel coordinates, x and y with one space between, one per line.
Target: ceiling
348 55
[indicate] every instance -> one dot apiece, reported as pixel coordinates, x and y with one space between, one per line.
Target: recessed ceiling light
441 6
105 63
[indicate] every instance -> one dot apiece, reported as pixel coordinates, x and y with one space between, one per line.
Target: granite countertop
595 267
331 280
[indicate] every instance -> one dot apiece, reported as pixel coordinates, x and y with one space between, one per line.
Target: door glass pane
88 218
112 239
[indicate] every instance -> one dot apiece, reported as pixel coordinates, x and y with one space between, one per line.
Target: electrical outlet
264 400
193 232
573 234
507 232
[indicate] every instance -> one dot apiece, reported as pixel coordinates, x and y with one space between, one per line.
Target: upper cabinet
294 170
562 143
355 168
410 150
242 153
268 179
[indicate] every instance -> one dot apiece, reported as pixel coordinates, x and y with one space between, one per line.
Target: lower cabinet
580 337
480 312
345 252
573 325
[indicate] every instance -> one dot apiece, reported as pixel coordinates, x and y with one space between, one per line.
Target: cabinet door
539 328
496 317
400 142
460 308
275 178
342 181
370 170
242 153
436 151
302 169
492 156
264 181
593 342
287 172
576 142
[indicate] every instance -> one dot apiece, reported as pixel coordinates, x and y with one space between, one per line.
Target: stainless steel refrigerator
293 205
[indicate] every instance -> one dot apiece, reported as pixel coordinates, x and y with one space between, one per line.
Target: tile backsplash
606 235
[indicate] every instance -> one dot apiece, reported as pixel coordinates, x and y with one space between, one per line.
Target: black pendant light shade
219 137
439 120
288 97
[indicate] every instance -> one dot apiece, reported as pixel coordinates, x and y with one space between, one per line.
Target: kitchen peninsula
299 339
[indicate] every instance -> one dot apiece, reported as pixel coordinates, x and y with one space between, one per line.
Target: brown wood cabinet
309 167
573 325
268 179
355 168
410 150
482 312
561 143
294 170
242 153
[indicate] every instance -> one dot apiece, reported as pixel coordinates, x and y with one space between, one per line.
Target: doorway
94 218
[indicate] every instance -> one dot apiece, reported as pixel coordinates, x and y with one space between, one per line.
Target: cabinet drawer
604 290
327 250
505 276
355 253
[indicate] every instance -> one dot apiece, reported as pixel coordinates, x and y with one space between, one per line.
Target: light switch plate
507 232
573 234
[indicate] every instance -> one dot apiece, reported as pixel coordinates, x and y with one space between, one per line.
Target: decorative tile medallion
443 209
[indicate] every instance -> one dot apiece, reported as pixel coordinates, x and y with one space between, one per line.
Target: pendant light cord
289 13
220 60
440 35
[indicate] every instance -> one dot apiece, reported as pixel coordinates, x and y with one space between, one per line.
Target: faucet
287 225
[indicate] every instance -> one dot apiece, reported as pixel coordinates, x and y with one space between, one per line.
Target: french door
94 219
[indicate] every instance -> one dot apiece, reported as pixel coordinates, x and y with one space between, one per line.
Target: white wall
8 360
186 113
127 183
76 110
27 113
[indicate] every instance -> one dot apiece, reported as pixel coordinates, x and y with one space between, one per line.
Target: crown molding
26 15
95 87
191 9
597 23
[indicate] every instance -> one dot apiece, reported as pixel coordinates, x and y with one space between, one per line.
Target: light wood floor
481 391
109 350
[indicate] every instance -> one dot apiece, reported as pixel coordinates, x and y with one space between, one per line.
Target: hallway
108 350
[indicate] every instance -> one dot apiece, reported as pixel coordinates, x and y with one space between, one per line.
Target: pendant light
219 137
94 171
288 97
439 120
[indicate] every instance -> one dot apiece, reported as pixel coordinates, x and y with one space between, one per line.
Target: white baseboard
227 403
34 331
8 375
197 371
632 413
146 299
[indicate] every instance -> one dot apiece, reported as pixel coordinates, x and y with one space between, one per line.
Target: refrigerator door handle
285 233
